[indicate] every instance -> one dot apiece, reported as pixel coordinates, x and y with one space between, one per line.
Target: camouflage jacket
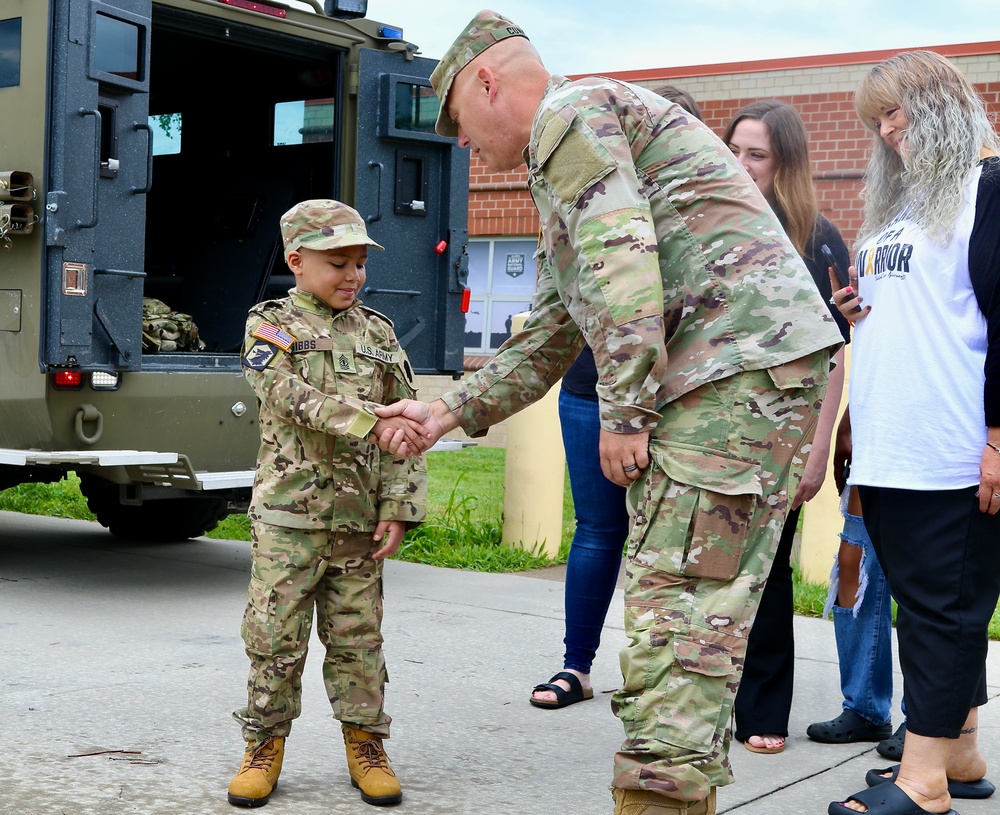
658 250
315 468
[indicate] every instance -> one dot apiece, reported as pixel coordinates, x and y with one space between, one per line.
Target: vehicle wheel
168 519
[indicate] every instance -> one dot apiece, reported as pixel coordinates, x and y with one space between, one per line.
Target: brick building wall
821 88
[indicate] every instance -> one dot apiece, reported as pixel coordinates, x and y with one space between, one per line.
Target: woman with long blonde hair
925 411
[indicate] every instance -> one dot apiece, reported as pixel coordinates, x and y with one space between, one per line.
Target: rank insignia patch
344 361
260 355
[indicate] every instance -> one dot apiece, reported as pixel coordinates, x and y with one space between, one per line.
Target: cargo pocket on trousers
698 711
264 631
694 511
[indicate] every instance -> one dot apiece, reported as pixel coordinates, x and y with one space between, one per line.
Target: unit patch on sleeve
274 335
260 355
406 369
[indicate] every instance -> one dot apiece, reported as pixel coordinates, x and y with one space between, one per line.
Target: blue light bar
390 32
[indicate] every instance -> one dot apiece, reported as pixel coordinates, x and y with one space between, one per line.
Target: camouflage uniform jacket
659 248
315 469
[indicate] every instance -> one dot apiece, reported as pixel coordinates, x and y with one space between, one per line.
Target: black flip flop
973 790
564 697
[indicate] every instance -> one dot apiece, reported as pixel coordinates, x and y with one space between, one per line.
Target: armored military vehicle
147 150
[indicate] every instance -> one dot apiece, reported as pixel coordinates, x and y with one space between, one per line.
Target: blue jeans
864 632
602 524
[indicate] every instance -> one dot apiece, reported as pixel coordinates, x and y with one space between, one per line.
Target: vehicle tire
167 519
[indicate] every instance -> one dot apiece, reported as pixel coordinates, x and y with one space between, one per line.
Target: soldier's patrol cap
487 28
323 224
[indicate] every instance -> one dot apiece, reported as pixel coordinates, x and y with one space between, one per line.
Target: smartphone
832 261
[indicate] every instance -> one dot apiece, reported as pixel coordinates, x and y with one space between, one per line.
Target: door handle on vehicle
378 193
97 165
149 159
88 413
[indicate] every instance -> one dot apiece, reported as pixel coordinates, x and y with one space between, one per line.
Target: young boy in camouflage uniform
327 506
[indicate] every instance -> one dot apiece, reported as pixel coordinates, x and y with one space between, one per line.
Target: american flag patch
274 335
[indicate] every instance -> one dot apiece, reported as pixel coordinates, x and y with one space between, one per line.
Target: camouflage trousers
293 571
725 461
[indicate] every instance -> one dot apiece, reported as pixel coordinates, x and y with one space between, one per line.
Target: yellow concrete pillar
821 518
534 473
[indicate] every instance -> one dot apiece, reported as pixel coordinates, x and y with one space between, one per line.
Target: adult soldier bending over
328 506
712 348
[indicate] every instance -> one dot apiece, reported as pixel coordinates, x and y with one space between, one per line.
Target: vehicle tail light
67 380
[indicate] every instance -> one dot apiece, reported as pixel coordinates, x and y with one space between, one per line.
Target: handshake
408 428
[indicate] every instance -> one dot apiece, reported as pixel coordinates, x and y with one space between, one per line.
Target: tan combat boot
641 802
369 768
258 775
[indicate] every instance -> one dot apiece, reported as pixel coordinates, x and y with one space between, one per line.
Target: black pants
764 699
941 556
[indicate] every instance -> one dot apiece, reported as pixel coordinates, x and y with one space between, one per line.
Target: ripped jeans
864 632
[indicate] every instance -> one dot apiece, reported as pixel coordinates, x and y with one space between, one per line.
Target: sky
586 36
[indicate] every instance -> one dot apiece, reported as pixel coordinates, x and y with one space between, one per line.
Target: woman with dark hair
770 141
925 411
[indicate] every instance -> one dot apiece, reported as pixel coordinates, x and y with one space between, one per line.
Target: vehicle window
306 121
416 107
10 53
166 134
116 50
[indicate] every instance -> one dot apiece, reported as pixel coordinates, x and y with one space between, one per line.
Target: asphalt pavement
121 662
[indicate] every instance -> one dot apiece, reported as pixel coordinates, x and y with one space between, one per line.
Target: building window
502 273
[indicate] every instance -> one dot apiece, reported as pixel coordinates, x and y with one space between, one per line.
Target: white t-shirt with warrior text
916 387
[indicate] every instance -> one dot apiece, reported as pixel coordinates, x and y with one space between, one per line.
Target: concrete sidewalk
114 646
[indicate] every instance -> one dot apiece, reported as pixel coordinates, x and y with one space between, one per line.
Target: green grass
232 527
464 523
59 499
808 599
463 528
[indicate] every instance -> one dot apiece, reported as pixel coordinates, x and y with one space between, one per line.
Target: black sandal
973 790
564 697
882 799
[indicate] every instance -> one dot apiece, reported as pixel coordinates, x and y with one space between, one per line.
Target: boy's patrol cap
487 28
323 224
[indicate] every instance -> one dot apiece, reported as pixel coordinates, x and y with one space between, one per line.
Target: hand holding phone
837 270
844 281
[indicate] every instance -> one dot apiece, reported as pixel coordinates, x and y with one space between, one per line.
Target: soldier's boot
641 802
258 775
369 768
